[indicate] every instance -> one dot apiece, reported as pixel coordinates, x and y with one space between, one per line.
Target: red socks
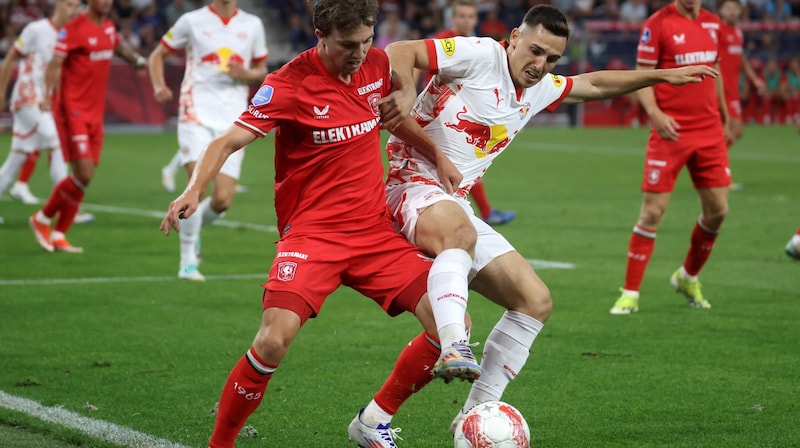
26 171
65 200
241 396
411 373
639 250
702 242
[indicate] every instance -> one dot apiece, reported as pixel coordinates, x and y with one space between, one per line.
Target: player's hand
666 126
46 104
690 74
448 174
162 94
761 86
237 71
395 108
181 208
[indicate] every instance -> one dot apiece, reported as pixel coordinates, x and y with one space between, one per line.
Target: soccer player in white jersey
482 96
33 128
225 50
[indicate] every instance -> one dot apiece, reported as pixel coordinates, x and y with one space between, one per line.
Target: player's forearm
647 99
130 56
405 57
208 165
5 72
612 83
723 105
155 66
51 76
412 133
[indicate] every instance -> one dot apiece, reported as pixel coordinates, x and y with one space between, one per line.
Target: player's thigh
192 140
445 225
407 202
510 281
663 163
709 166
387 268
305 266
26 128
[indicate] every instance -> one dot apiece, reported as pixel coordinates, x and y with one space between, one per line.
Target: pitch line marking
145 279
98 429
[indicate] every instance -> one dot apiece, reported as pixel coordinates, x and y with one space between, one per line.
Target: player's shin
448 289
241 396
504 355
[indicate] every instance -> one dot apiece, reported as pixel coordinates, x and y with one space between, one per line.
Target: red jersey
670 40
730 64
87 49
328 165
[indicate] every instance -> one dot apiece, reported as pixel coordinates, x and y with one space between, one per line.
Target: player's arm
412 133
51 76
664 125
155 66
208 165
5 74
254 74
605 84
752 76
130 56
405 57
723 105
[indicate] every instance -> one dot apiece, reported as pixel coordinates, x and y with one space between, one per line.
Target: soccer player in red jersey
81 64
327 106
464 18
690 127
732 64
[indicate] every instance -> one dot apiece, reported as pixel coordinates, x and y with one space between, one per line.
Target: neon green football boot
690 289
626 304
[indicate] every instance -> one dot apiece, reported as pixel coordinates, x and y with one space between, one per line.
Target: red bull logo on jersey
557 80
222 58
485 139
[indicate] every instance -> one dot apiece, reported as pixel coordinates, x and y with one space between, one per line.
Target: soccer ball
493 424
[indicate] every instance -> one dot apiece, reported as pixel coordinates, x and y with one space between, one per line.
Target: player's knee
650 217
538 304
465 237
221 203
271 346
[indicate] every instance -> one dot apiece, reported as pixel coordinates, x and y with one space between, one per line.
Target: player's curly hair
550 17
344 15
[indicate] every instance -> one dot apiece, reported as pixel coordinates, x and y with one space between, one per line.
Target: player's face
68 8
343 53
689 5
532 54
464 19
101 7
730 12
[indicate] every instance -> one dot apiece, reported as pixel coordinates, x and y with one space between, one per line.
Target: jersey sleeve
274 101
26 41
649 49
260 49
457 56
69 39
561 87
178 36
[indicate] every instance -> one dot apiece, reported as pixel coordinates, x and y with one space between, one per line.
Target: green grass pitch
153 355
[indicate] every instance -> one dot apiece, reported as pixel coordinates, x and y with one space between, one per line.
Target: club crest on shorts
653 176
286 270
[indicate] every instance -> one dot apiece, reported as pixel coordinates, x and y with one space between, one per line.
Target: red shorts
734 109
81 138
704 155
377 262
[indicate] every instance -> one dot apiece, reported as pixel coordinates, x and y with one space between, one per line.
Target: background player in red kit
689 128
82 56
330 202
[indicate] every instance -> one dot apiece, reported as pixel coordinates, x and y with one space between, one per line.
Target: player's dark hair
344 15
550 17
722 2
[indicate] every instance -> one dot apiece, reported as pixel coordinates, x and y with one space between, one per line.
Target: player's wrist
139 61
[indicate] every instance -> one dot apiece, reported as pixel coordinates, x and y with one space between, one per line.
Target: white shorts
33 129
192 141
407 201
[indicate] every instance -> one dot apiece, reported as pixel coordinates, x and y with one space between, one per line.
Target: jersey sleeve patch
448 46
263 95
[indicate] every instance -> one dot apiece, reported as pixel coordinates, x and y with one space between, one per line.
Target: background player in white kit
225 50
33 128
484 93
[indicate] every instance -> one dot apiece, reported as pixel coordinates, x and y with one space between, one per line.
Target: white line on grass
69 281
98 429
545 264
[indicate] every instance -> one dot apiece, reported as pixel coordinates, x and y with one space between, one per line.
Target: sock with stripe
71 192
478 193
241 396
702 242
640 248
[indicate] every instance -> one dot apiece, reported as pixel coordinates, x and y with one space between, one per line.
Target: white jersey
35 48
209 96
471 109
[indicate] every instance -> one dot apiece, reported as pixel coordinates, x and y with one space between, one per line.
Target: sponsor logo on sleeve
645 36
557 80
448 45
169 34
263 96
62 34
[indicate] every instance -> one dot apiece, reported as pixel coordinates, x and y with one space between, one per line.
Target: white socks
505 353
208 214
58 167
190 231
10 169
374 415
448 289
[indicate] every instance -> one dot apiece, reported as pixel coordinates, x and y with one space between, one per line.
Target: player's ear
320 35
